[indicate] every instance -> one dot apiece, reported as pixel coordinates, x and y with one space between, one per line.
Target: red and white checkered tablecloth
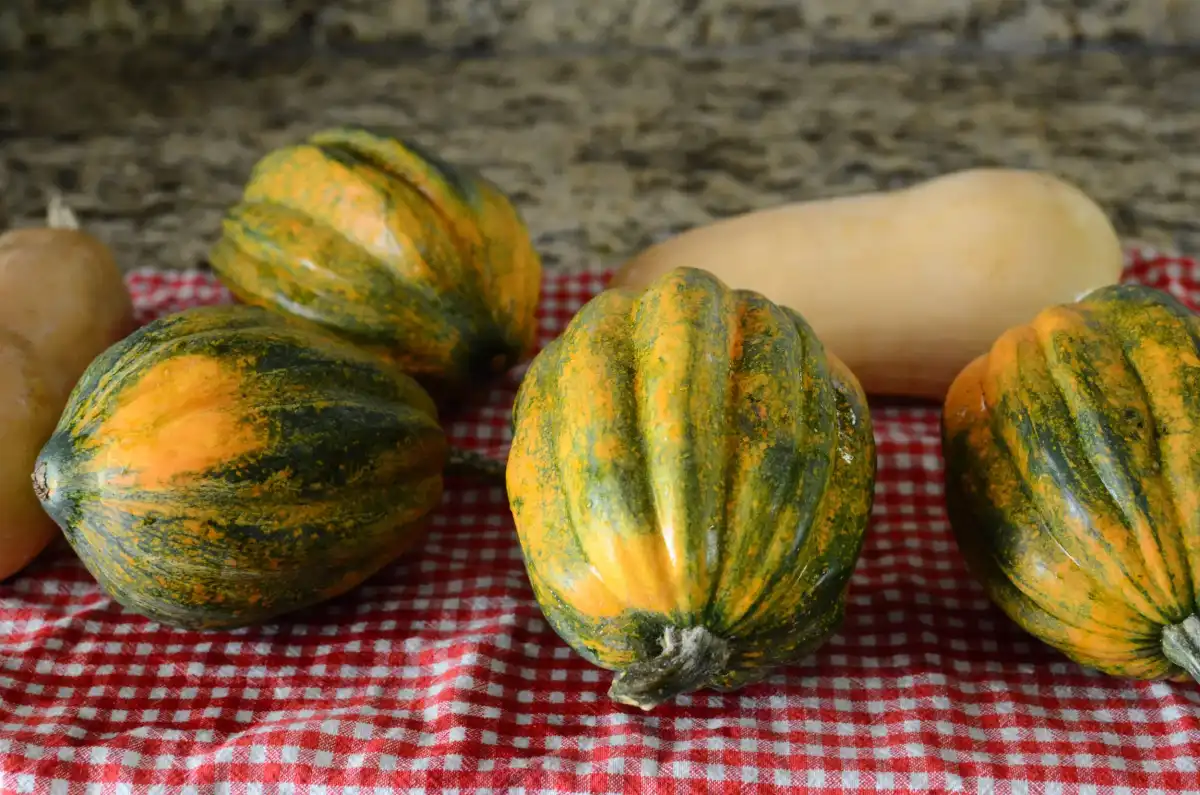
440 674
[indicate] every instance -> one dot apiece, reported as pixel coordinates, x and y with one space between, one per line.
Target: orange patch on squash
185 416
377 214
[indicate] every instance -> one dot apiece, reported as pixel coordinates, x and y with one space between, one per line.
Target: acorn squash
1073 479
696 524
223 466
384 243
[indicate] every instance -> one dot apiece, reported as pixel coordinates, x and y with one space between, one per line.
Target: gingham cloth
440 674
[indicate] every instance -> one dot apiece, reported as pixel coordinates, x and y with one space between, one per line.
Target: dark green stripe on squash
712 499
273 468
454 178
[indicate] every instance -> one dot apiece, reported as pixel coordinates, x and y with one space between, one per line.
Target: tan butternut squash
28 414
61 290
63 301
906 287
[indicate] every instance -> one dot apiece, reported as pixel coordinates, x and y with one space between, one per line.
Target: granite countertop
517 25
604 154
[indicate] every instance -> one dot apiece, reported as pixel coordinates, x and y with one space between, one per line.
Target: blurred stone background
510 25
611 123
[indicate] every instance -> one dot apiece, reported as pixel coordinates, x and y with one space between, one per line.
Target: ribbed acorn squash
1073 479
386 244
222 466
691 478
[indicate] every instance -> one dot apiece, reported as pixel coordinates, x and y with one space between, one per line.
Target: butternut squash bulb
1073 479
28 412
385 244
907 286
223 466
63 300
62 290
696 524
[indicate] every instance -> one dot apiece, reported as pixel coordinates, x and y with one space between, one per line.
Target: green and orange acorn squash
1073 479
387 245
691 478
223 466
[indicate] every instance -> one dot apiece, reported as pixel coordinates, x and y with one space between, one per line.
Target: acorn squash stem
469 463
690 659
1181 645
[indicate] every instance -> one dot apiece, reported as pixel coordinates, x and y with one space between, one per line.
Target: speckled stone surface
518 24
603 155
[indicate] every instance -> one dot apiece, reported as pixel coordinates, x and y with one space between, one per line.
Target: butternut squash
906 287
61 290
63 301
28 414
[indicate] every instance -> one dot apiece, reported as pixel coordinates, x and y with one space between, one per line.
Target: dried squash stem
1181 645
690 660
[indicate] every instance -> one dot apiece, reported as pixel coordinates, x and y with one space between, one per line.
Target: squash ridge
1076 447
